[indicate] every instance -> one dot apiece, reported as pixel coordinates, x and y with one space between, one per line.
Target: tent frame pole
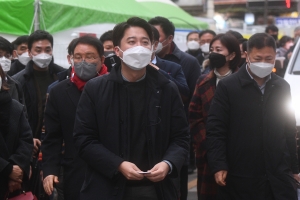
36 15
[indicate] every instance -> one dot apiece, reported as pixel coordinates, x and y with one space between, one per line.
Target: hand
296 177
130 171
220 177
48 183
16 174
36 146
158 172
13 186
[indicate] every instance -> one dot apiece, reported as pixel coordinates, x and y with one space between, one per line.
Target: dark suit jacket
190 68
59 123
173 72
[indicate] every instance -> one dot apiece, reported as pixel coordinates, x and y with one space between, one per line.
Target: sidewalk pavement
192 186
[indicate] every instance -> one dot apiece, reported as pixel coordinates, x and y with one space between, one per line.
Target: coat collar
211 75
245 79
151 74
176 51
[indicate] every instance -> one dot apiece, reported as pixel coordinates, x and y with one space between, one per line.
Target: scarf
80 83
219 76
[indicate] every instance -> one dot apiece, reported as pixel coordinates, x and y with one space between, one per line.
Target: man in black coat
60 116
130 125
251 133
38 74
170 70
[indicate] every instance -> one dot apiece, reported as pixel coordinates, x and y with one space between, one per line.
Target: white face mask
137 57
160 46
193 45
42 60
24 58
261 69
205 48
5 64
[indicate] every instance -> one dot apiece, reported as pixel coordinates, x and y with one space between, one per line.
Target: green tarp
16 16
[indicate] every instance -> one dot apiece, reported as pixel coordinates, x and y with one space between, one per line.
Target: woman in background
224 60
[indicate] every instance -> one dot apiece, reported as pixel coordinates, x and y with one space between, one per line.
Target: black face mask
108 53
217 60
275 37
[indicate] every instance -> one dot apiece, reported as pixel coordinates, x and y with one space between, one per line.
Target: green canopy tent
174 13
18 17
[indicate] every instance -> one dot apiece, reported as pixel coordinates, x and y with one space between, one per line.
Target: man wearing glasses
87 62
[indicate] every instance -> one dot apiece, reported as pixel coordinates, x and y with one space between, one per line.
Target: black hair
5 45
107 36
166 25
70 46
192 32
155 34
39 35
119 29
20 40
284 39
261 40
232 45
272 28
87 39
237 35
207 31
244 45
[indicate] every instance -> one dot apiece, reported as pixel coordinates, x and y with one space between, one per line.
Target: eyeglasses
88 58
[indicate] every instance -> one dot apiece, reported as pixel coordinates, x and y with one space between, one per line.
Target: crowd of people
133 115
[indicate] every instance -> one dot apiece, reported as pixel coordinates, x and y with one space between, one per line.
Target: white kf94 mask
137 57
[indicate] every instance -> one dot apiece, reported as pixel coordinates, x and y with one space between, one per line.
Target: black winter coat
16 147
15 68
253 136
25 78
59 123
100 133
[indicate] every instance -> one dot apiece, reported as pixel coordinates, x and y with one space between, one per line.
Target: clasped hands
157 173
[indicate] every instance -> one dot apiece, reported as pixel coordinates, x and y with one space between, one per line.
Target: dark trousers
184 182
140 192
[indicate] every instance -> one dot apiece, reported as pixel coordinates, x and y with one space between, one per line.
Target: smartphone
144 172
